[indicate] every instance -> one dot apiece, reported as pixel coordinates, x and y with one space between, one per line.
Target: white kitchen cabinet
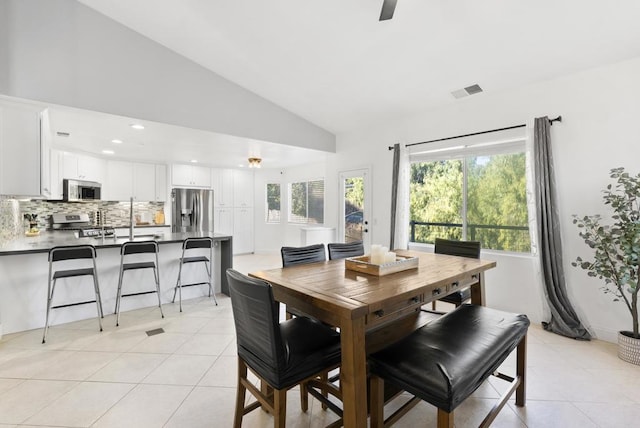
242 188
55 168
242 230
161 183
82 167
190 175
144 182
20 150
119 183
223 220
45 153
222 183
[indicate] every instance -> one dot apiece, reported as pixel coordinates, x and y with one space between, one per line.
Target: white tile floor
186 376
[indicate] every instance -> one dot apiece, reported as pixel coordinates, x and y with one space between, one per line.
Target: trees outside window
306 202
472 197
273 202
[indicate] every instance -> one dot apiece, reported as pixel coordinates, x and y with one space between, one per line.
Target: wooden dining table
371 311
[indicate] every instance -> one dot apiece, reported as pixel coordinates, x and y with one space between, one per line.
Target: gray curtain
563 320
394 193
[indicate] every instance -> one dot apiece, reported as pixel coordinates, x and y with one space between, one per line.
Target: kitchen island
24 268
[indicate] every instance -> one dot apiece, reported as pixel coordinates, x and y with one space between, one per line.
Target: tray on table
363 264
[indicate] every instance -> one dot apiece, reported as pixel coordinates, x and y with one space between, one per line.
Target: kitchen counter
24 270
49 239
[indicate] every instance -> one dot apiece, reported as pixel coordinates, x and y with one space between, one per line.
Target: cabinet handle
379 313
455 284
436 291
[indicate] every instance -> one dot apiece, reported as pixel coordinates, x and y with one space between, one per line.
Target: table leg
477 291
353 373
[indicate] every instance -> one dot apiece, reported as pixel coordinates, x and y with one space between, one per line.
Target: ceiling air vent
469 90
62 134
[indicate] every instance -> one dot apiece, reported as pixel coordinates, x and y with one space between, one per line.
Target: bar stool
132 249
194 244
68 253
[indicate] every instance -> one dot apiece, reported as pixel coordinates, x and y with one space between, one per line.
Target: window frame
266 202
461 152
290 201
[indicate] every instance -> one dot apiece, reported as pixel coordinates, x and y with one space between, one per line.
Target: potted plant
616 246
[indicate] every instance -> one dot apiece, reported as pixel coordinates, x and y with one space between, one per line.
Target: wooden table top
350 294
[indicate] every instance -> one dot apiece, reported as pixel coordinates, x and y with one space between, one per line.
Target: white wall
600 108
270 237
63 52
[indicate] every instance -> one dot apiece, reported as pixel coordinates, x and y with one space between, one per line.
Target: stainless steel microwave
79 190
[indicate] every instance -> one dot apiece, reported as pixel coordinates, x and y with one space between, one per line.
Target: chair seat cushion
457 298
310 346
195 259
72 272
138 265
448 359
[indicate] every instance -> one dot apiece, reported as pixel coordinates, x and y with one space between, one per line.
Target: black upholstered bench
448 359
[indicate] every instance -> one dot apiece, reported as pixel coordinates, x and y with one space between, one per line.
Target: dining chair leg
521 371
240 394
445 419
304 397
279 408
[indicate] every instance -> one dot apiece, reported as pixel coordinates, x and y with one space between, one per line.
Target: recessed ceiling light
108 152
136 126
116 141
194 161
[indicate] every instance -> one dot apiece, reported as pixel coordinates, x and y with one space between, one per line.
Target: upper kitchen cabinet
83 167
143 181
21 147
119 183
242 188
190 175
161 183
222 184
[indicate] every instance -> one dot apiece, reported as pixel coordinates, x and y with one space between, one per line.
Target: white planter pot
628 348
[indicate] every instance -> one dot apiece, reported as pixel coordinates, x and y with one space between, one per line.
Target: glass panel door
355 200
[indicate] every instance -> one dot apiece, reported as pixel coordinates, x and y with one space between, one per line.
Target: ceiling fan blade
388 7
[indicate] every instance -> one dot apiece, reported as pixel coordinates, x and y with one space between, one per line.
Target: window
306 202
273 203
471 194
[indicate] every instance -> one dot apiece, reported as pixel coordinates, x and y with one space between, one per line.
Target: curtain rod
557 119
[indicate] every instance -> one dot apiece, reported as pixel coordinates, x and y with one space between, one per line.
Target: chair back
470 249
339 250
139 247
72 252
292 256
255 313
205 242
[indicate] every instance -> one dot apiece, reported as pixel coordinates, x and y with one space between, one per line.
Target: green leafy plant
616 244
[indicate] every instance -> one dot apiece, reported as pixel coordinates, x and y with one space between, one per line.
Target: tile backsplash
116 214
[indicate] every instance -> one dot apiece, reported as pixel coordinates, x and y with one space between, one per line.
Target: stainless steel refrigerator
192 210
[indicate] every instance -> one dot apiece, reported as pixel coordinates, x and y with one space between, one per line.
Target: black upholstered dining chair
292 256
470 249
298 351
338 250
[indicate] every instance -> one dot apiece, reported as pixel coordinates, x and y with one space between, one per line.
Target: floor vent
155 331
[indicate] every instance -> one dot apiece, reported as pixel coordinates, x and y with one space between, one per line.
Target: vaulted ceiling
333 63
